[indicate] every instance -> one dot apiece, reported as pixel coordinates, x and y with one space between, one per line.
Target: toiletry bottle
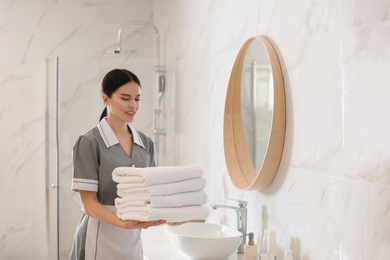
265 241
263 256
250 249
288 255
271 244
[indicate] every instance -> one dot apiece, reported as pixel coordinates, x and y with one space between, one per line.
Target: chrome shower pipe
160 72
148 24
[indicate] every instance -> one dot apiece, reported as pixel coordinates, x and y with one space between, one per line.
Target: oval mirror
255 116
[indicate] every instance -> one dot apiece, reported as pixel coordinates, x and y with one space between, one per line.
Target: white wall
32 34
330 199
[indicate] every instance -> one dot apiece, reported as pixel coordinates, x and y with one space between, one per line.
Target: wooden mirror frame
238 161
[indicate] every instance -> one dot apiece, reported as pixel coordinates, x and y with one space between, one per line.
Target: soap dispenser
250 249
271 244
288 255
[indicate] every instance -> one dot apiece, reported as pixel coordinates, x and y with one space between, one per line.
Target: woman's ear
106 100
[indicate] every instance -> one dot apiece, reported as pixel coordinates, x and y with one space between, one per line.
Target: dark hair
114 80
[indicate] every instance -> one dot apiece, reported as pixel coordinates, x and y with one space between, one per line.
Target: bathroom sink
204 240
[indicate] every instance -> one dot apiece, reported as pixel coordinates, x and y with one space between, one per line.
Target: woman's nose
132 103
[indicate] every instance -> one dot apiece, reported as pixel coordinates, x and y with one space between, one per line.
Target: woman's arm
96 210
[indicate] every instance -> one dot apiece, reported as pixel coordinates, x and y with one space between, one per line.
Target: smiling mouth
130 113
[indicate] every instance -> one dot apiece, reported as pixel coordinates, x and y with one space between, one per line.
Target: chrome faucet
241 219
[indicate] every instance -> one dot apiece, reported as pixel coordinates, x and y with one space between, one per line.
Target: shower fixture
118 51
118 48
161 85
160 75
160 70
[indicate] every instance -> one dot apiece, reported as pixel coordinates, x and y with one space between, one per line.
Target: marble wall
32 34
331 196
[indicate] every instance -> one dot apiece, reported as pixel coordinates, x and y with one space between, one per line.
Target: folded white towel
195 198
161 189
156 175
168 214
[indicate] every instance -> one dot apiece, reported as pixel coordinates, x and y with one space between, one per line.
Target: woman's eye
137 99
125 99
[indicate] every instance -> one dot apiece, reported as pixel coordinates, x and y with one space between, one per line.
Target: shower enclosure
77 108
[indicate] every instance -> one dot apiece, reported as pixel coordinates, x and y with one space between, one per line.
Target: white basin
204 240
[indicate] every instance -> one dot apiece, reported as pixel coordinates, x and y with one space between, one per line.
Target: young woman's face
124 102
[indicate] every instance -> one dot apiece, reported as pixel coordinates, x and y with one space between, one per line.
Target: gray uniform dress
95 155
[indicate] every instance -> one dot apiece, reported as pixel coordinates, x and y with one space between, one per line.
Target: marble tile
366 65
314 102
30 34
306 200
360 12
296 19
22 164
314 220
365 220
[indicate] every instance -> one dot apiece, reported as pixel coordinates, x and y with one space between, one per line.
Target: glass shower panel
79 105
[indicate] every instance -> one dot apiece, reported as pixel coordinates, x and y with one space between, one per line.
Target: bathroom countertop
157 247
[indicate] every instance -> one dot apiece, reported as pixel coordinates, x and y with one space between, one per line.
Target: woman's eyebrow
128 95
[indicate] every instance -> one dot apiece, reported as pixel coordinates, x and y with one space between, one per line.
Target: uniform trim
91 238
136 136
110 138
84 184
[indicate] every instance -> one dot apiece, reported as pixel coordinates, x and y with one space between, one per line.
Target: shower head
119 40
161 88
118 51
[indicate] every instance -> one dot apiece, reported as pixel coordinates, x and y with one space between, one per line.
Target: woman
100 234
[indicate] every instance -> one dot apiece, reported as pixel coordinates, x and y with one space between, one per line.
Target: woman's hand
96 210
134 224
177 223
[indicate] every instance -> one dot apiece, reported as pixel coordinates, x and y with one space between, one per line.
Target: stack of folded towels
173 194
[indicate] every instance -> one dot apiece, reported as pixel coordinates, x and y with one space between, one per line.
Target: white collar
109 136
